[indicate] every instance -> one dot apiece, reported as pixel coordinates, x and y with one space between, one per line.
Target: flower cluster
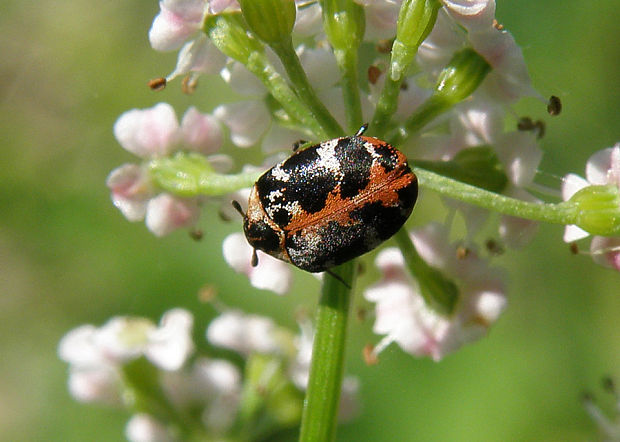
403 315
172 392
152 133
442 79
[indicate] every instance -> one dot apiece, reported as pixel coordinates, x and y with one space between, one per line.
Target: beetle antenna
237 207
338 278
254 261
361 130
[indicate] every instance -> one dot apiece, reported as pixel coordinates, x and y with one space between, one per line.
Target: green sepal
270 20
462 76
228 33
416 19
598 210
344 23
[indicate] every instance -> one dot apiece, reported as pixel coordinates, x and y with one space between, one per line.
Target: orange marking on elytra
382 187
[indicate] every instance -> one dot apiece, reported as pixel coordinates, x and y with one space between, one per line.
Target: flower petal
471 14
571 184
143 427
573 233
171 343
247 121
131 190
199 55
201 132
243 333
148 132
166 213
606 251
602 164
175 23
270 273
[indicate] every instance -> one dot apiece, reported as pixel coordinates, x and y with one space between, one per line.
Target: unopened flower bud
344 23
462 76
230 36
415 21
598 209
271 20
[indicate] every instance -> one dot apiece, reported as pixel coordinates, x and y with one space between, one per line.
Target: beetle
330 202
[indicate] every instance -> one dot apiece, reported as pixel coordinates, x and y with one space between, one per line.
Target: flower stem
560 213
190 174
291 103
386 106
297 75
320 412
438 292
347 62
430 109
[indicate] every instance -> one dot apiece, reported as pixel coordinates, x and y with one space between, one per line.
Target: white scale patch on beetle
372 150
274 194
327 155
292 207
280 174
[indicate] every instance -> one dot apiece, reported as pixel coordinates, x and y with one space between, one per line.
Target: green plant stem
285 51
430 109
438 292
190 174
320 412
277 86
560 213
347 62
386 105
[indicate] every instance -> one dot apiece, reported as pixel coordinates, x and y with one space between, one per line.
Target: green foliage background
68 257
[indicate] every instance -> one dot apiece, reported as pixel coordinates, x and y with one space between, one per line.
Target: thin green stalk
285 51
190 174
560 213
278 87
318 422
347 62
386 105
430 109
438 292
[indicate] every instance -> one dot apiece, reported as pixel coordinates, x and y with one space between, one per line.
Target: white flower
402 314
213 385
248 120
145 428
243 333
179 21
509 79
270 273
166 213
151 133
481 123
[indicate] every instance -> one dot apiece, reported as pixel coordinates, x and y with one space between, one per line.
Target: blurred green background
68 257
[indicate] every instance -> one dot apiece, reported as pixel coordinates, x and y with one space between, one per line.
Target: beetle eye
261 236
